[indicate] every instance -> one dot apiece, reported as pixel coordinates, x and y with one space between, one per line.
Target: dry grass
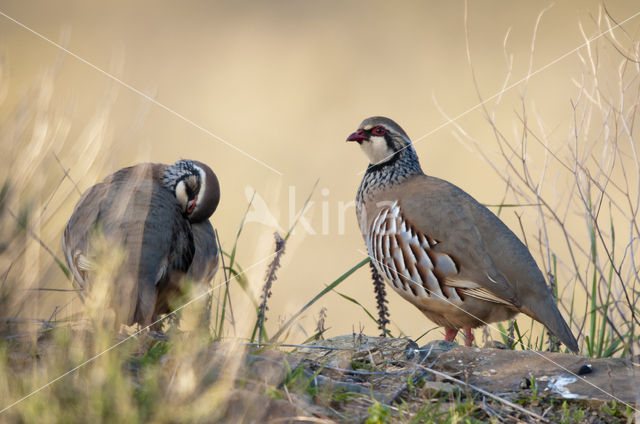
584 188
581 192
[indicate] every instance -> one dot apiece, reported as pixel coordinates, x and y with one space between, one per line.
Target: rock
433 349
229 360
270 367
274 385
329 384
432 388
244 406
345 351
501 371
494 344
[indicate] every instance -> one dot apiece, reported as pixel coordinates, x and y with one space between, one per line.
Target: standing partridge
439 248
159 215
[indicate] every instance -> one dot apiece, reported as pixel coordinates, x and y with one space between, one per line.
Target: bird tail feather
547 313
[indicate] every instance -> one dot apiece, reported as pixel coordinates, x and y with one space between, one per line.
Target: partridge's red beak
192 205
358 136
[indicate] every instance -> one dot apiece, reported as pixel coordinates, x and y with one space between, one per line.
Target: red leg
450 334
468 335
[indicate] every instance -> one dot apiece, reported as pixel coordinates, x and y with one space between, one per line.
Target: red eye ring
379 130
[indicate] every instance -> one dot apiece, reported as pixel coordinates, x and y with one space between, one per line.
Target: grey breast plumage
158 216
438 247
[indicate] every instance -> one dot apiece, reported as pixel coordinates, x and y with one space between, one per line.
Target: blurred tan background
286 82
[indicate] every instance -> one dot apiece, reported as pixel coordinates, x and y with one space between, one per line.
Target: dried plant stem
270 277
320 328
381 301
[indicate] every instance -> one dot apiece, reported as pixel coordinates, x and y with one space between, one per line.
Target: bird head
381 139
196 188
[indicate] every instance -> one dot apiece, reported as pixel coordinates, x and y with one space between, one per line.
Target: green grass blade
503 334
593 314
318 296
239 275
63 267
519 340
607 302
352 300
232 257
304 207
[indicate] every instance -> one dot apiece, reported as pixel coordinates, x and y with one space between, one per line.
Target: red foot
450 334
468 336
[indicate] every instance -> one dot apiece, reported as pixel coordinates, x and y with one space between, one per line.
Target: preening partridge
159 215
439 248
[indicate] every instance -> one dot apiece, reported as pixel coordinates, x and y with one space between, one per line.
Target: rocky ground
350 378
355 378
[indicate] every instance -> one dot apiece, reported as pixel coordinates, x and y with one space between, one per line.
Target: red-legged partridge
159 215
439 248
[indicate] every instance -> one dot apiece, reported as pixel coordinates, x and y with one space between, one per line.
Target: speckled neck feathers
178 171
402 165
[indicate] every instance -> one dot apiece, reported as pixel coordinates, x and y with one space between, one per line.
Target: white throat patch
203 187
181 195
376 149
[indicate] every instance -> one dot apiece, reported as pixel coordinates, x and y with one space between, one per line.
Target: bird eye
379 131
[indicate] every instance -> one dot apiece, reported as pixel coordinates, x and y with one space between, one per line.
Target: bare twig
66 174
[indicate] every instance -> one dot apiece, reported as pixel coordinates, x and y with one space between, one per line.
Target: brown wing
410 261
136 213
493 264
75 239
435 211
205 260
85 217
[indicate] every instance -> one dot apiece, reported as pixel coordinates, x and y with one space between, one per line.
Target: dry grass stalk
320 328
381 301
589 176
270 277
